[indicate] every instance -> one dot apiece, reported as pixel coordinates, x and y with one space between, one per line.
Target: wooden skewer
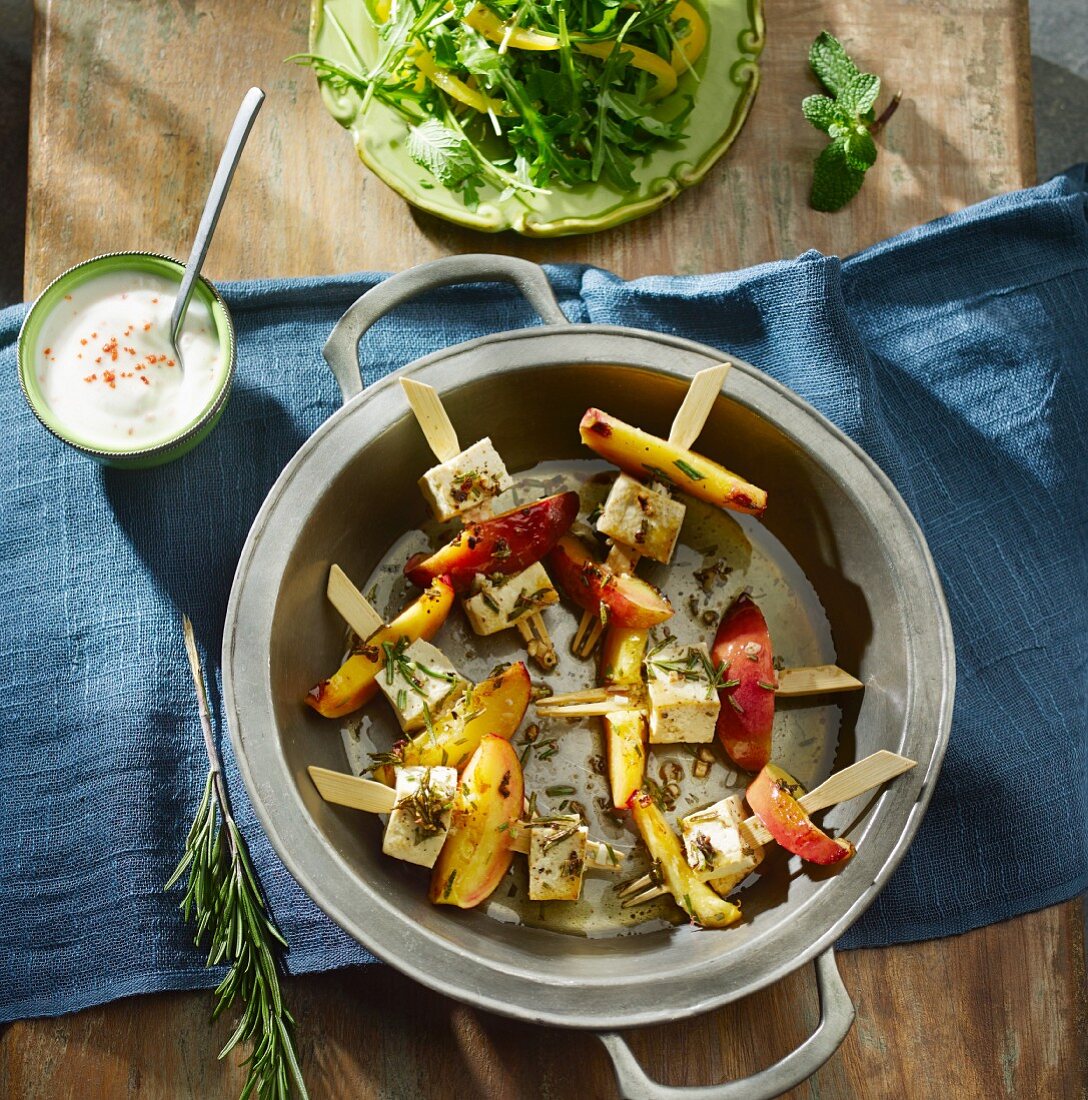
433 419
686 426
814 680
858 778
354 607
372 797
441 437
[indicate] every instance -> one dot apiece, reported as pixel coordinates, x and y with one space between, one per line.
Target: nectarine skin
505 544
773 799
742 646
628 600
477 852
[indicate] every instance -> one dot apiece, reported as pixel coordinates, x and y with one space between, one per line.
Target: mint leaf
860 150
446 155
848 119
834 181
820 111
830 63
859 94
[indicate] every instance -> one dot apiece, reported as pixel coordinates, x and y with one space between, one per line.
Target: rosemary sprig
223 897
690 664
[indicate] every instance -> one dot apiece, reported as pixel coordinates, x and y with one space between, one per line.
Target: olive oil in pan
718 556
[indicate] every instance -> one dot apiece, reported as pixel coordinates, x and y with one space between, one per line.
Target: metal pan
348 494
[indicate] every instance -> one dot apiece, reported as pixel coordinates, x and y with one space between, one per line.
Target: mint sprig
847 117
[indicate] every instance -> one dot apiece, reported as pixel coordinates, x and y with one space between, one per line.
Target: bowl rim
904 803
214 405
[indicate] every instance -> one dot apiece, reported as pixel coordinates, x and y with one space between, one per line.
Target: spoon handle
243 123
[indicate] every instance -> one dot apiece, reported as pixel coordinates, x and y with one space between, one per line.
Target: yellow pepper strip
490 26
689 48
454 86
656 66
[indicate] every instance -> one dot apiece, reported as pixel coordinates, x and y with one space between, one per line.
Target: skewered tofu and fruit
698 900
723 847
717 843
421 810
692 694
356 682
467 828
493 562
494 706
643 519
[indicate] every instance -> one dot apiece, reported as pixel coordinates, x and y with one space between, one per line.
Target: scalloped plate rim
663 188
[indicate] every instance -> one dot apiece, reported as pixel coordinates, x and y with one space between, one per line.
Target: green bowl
186 438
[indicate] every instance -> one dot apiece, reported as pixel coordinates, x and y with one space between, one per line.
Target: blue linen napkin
955 354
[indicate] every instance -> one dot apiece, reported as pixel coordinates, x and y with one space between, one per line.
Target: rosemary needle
224 899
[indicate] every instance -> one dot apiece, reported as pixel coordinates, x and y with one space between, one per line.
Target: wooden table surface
130 105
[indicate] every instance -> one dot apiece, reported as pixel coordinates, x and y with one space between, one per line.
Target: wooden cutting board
130 105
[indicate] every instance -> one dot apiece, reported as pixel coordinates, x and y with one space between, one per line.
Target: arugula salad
526 96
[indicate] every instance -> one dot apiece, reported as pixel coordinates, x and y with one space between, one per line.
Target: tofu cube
714 840
417 681
504 601
557 859
466 481
644 518
420 818
683 703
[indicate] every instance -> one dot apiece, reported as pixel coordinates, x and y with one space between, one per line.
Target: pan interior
718 556
816 562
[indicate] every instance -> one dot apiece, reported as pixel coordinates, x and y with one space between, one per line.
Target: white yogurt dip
105 367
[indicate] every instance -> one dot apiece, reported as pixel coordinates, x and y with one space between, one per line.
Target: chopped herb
656 472
734 704
488 602
558 791
688 470
449 884
427 808
765 685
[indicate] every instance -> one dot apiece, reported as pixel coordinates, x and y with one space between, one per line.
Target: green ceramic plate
726 79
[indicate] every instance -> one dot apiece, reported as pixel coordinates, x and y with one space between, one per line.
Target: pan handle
836 1017
341 350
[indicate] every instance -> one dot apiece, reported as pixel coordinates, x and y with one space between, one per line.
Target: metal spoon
243 123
